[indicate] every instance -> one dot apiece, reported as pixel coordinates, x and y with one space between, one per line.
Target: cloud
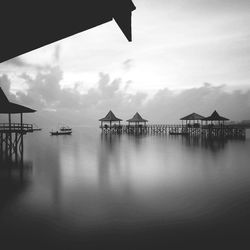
57 53
204 100
17 61
127 64
70 106
44 87
20 62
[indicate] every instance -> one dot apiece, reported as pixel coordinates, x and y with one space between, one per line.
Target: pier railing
16 127
210 130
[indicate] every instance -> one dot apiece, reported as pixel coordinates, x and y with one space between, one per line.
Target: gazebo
137 120
215 117
110 118
192 117
7 107
6 129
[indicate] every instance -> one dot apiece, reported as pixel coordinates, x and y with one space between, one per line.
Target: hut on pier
137 120
110 118
215 119
7 107
10 128
193 119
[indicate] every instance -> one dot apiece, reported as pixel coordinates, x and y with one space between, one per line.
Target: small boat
62 131
66 128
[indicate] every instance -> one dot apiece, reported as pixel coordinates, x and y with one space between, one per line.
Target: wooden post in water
21 146
1 145
10 137
16 146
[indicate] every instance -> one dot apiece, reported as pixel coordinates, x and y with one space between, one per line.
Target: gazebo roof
192 117
7 107
110 117
215 117
137 118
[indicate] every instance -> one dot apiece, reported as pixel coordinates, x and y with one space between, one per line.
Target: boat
62 131
66 128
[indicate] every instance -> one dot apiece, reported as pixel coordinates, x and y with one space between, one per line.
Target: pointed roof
215 117
3 98
110 117
192 117
7 107
123 18
137 118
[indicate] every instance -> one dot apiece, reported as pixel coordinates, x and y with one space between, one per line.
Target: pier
193 125
11 134
229 131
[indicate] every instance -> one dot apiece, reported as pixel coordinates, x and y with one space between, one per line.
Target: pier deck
11 138
228 131
16 128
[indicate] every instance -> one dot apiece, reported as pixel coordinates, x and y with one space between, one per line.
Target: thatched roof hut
215 117
137 119
110 117
192 117
7 107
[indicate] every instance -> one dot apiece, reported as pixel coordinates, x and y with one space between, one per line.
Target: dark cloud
18 62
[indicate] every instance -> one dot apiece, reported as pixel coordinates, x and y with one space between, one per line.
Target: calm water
88 190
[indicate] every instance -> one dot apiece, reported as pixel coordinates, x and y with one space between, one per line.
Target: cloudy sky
186 55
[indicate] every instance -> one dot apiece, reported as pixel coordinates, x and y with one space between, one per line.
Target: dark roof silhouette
215 117
110 117
7 107
137 118
27 26
3 98
192 117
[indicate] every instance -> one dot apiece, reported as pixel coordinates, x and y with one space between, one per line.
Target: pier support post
10 136
16 147
21 145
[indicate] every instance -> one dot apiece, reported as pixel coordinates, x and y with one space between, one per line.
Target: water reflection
90 183
15 176
213 144
113 164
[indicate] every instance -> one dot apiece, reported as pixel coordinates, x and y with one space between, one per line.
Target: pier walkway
228 131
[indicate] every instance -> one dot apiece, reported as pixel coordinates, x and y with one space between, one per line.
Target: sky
186 56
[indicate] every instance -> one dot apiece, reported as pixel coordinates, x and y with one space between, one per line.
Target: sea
91 190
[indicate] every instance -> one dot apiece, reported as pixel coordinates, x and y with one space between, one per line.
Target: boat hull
61 133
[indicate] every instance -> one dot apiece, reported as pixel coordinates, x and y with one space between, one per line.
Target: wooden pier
213 126
226 131
11 134
11 139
